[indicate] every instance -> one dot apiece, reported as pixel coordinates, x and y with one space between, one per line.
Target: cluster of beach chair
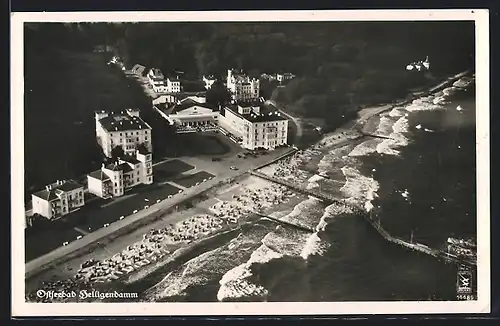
251 200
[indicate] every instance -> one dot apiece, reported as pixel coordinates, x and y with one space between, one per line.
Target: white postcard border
482 305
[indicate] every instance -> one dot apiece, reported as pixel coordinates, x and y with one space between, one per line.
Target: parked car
233 168
216 159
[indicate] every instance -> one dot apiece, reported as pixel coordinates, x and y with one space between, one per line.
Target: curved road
296 121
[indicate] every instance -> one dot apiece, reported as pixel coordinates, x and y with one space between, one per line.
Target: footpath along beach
227 208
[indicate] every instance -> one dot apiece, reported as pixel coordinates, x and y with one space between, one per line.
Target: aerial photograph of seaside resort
319 161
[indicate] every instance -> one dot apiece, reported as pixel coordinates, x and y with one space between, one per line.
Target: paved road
223 173
296 121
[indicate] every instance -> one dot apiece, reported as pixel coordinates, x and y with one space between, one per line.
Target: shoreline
152 218
185 250
246 187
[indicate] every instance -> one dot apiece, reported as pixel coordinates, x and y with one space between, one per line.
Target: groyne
439 254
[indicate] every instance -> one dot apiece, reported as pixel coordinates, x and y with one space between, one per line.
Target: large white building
160 84
114 179
58 199
124 128
241 86
284 77
174 85
157 80
190 114
253 127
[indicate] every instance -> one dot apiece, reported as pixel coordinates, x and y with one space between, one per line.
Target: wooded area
341 65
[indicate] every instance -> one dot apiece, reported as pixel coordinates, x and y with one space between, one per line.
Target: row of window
131 133
116 189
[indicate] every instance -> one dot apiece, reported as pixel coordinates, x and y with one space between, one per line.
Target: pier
278 221
368 134
439 254
300 189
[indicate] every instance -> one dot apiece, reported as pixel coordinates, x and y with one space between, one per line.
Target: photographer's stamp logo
466 287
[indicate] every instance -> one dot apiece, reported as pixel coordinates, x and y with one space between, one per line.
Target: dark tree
218 94
117 152
142 148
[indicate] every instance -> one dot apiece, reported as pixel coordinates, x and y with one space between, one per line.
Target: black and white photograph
251 159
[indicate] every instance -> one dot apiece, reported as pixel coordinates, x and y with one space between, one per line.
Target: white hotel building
242 87
58 199
124 128
157 80
114 179
161 85
254 128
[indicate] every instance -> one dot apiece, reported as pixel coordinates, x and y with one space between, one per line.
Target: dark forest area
340 65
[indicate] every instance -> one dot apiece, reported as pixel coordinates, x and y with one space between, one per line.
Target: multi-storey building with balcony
114 179
125 129
157 80
253 127
174 85
58 199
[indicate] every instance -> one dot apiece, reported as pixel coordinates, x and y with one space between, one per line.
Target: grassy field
188 181
166 170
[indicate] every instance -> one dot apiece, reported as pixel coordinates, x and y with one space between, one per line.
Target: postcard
250 163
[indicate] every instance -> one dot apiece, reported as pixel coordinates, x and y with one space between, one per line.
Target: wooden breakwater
310 192
418 246
279 158
287 223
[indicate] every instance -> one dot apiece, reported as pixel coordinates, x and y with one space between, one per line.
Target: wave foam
330 212
360 189
235 283
313 246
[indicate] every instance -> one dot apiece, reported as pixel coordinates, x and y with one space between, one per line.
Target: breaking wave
359 189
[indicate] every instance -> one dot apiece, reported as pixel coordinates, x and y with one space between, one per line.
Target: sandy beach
136 255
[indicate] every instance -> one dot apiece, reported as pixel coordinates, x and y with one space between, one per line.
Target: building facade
58 199
253 128
173 85
125 129
157 80
284 77
114 179
190 115
242 87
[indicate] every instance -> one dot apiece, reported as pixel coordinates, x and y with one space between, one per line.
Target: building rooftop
157 73
122 121
51 194
125 167
46 194
183 105
268 116
130 159
69 186
99 175
119 167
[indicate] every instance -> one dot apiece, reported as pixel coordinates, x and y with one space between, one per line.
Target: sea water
420 183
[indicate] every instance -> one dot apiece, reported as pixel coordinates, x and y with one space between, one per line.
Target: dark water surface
437 169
